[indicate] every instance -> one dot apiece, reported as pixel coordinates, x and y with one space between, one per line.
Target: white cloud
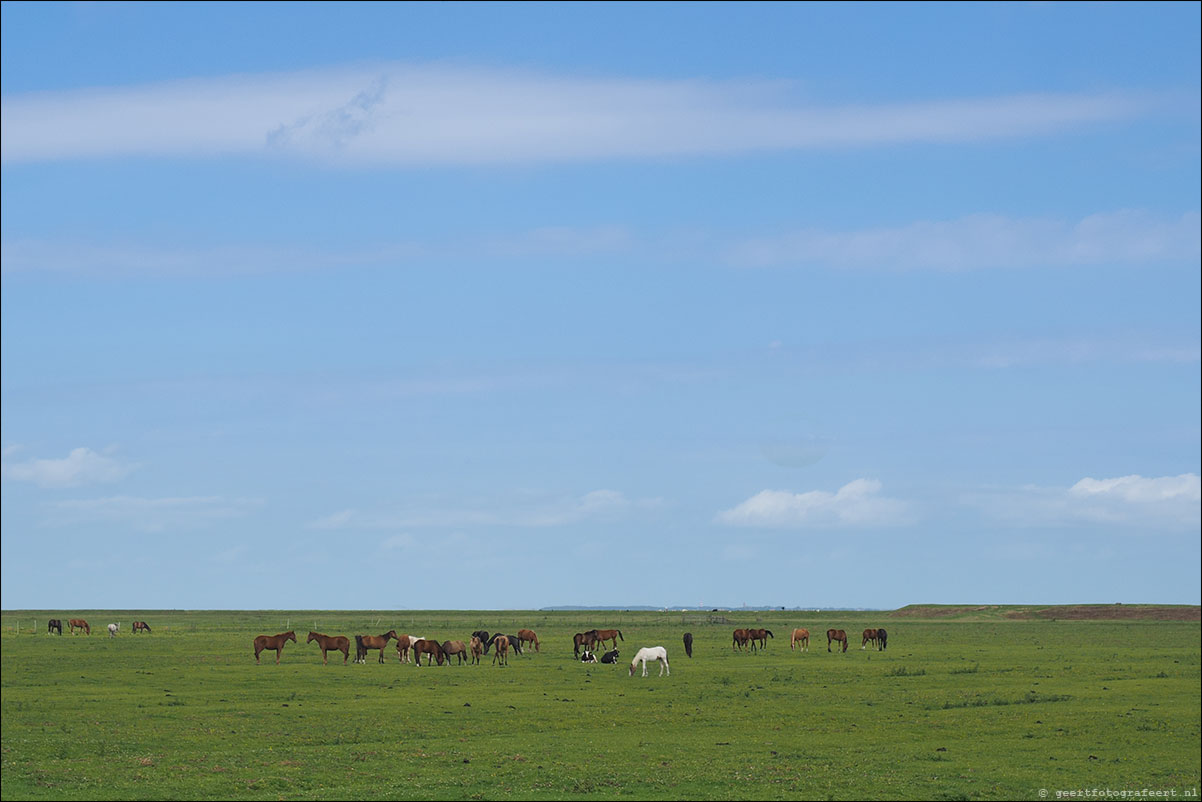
1166 502
396 114
82 466
595 505
150 514
984 241
856 504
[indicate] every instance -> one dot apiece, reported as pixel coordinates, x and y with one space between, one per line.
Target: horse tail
770 634
620 636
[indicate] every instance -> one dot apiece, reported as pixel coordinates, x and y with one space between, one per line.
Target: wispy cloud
82 466
150 514
976 242
536 513
397 114
984 241
856 504
1138 502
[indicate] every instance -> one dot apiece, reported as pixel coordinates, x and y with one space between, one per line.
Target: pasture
965 705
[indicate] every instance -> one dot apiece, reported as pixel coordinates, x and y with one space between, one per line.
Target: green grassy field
983 706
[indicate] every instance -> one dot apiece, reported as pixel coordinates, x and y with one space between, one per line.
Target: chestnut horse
528 636
141 626
741 638
836 636
79 623
502 644
404 647
455 648
869 637
603 635
800 636
477 647
365 643
54 624
430 647
273 642
327 643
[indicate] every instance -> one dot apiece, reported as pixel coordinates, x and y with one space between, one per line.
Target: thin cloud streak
395 114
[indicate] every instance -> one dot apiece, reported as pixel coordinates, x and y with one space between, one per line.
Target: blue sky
507 306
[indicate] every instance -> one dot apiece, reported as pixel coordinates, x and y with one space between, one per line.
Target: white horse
651 653
113 629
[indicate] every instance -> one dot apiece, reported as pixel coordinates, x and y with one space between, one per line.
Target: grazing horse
431 647
273 642
651 653
114 629
79 623
515 643
335 643
456 648
365 643
477 647
802 637
502 644
869 637
610 657
882 640
836 636
528 636
604 635
141 626
404 647
54 624
760 635
688 643
740 638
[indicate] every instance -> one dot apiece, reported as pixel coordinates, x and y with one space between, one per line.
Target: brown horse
365 643
477 647
502 644
336 643
836 636
273 642
404 647
455 648
79 623
141 626
800 636
528 636
54 624
603 635
870 636
583 640
741 638
430 647
760 635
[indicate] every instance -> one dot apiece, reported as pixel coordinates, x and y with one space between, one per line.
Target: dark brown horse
836 636
760 635
79 623
740 638
365 643
54 624
869 637
583 640
688 643
502 644
455 648
604 635
141 626
430 647
328 643
273 642
801 637
882 640
528 636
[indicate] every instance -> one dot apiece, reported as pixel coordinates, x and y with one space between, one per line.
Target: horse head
290 635
312 637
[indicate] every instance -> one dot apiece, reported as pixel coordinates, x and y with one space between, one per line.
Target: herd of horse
77 625
800 639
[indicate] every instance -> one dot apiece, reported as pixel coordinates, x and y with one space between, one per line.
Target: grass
984 710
